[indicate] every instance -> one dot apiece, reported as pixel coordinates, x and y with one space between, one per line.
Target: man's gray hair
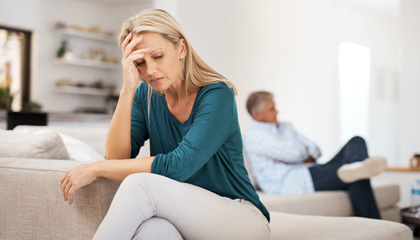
257 101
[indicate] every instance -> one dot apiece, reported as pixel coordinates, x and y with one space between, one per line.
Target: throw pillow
24 145
77 149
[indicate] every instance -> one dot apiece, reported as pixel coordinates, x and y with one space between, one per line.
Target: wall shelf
82 54
84 90
89 63
92 36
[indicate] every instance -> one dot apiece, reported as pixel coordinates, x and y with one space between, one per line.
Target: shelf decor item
415 161
97 88
94 33
6 98
62 50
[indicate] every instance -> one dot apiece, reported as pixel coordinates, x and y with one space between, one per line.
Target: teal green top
205 150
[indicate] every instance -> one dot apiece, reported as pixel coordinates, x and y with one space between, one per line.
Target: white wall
9 16
381 34
409 125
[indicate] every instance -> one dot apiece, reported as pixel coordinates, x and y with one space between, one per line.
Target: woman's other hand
76 178
131 75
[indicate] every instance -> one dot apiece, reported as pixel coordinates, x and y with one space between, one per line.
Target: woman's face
160 66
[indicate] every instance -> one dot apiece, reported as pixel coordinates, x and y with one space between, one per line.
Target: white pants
150 206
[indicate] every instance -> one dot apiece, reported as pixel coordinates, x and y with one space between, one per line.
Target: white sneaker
366 169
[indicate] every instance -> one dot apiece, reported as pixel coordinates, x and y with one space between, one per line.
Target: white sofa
331 203
334 203
32 206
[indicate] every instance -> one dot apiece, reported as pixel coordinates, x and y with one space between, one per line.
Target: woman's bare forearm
120 169
85 174
118 142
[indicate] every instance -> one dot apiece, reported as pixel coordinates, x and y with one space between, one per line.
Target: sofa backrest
94 137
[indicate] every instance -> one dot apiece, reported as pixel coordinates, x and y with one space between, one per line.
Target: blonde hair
195 72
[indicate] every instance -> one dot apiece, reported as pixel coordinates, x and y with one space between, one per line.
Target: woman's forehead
151 40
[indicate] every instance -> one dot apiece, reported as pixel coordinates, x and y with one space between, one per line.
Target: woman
195 185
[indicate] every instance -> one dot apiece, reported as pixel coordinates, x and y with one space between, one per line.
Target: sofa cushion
300 227
332 203
94 137
325 203
77 149
46 145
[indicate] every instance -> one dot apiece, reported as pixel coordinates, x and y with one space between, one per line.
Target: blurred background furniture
26 118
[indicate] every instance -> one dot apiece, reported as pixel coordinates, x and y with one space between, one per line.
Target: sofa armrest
32 205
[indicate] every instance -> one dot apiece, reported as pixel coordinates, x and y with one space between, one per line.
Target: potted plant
5 97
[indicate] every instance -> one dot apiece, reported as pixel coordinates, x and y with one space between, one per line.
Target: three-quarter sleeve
210 129
139 120
313 149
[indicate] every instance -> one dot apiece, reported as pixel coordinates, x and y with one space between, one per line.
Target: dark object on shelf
80 84
91 110
98 84
26 118
415 161
411 217
62 50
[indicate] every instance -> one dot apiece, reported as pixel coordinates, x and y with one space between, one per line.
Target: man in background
278 154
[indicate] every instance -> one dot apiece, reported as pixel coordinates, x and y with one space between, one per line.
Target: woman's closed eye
139 63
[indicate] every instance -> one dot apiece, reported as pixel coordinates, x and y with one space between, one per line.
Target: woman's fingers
63 184
65 188
131 74
75 179
70 193
129 47
136 55
70 190
126 41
